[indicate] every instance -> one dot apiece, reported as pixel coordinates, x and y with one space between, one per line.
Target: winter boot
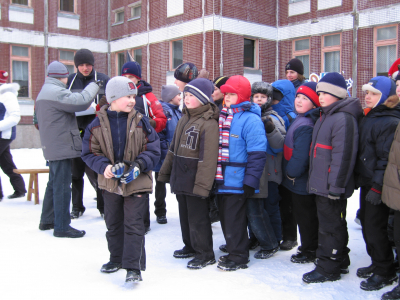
133 275
70 233
264 254
110 267
376 282
229 265
162 220
16 195
365 272
316 277
223 248
183 253
393 294
196 263
288 245
76 213
303 257
43 226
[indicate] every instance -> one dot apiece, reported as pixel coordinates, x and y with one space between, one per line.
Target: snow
36 265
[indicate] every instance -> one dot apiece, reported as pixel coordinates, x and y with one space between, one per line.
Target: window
136 10
331 48
137 56
119 16
20 69
120 62
20 2
250 53
174 8
176 53
385 49
67 58
301 50
67 5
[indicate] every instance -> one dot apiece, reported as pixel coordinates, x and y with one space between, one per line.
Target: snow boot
229 265
110 267
133 275
43 226
288 245
316 277
264 254
162 220
393 294
223 248
376 282
70 233
76 213
183 253
197 263
303 257
16 195
366 272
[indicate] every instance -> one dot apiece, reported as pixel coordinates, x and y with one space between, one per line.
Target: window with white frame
136 10
331 49
176 53
120 62
385 49
293 1
250 50
20 2
20 69
301 50
119 16
67 58
137 56
67 5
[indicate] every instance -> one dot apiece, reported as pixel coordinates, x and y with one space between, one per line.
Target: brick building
255 38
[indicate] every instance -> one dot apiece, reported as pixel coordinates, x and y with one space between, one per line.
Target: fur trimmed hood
9 87
392 101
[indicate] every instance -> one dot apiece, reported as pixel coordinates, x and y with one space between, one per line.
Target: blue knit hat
334 84
382 85
132 68
201 88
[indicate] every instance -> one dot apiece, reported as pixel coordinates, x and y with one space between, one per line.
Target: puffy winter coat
9 110
391 179
153 108
285 107
247 151
334 148
376 131
191 162
55 110
173 114
296 152
101 142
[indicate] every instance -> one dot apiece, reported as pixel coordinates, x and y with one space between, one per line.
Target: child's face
260 99
176 100
398 88
191 101
132 78
326 99
180 84
372 98
216 95
85 69
291 75
303 104
125 104
230 99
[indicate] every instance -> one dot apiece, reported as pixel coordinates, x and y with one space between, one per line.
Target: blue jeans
273 210
57 197
260 223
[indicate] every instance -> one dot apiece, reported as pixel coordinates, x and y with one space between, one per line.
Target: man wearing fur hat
9 118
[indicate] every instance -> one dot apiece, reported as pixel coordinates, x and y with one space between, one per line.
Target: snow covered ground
36 265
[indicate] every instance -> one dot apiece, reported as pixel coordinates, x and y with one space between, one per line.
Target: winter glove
248 191
333 196
292 179
269 125
100 83
118 170
132 172
373 197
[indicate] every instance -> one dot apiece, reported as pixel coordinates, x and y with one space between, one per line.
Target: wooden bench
33 181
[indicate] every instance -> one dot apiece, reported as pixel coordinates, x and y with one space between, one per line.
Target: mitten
269 125
248 191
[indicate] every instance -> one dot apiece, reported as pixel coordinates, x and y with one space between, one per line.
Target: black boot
110 267
365 272
16 195
223 248
70 233
76 213
393 294
43 226
316 277
303 257
229 265
288 245
162 219
133 275
264 254
183 253
196 263
376 282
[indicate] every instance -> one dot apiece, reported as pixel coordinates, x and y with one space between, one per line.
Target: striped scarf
225 121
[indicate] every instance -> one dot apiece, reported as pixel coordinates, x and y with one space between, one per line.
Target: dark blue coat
285 107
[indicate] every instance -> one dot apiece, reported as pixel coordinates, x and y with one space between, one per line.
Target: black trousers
78 171
125 229
332 252
396 231
196 226
7 165
374 220
305 211
160 194
232 212
289 224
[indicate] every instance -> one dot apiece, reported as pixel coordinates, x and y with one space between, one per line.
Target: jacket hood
288 91
143 87
208 111
249 106
239 85
10 87
349 105
391 107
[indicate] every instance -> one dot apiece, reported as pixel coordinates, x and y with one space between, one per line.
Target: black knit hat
83 56
295 64
221 80
186 72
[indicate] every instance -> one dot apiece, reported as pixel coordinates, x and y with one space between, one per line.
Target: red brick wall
365 58
257 11
233 54
285 54
347 55
159 62
267 59
38 16
315 54
364 4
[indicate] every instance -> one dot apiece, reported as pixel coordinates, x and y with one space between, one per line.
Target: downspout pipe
355 48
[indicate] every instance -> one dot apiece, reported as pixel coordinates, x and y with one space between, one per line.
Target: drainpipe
109 39
148 40
355 49
277 42
46 36
221 65
213 31
204 36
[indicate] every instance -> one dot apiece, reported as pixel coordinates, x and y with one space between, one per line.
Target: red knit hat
394 69
3 76
308 89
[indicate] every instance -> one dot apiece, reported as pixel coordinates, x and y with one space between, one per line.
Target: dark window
177 53
21 2
67 5
137 56
248 59
121 61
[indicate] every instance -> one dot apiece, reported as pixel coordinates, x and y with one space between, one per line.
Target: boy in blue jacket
171 99
241 160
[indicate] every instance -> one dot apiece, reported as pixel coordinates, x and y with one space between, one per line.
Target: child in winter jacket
241 161
332 158
122 147
382 115
190 167
295 169
263 208
171 99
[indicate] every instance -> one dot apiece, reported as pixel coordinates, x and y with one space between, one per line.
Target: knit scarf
225 121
